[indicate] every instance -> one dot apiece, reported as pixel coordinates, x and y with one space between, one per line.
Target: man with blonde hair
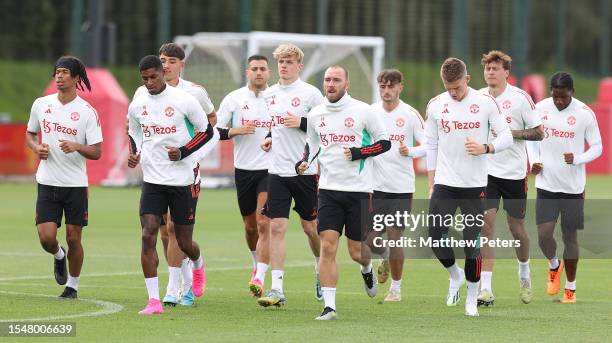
289 102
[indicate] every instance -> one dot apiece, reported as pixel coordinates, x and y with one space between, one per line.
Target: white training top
288 144
239 108
331 126
200 94
394 173
194 89
169 118
518 109
449 123
565 131
76 121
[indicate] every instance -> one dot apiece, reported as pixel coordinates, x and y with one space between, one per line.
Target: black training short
249 183
338 210
571 207
182 201
52 201
391 203
301 188
514 193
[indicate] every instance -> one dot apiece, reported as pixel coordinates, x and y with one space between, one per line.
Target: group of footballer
335 158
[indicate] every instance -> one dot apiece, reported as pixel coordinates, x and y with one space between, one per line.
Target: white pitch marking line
19 278
108 308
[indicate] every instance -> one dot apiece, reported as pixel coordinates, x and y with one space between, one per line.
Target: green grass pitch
112 289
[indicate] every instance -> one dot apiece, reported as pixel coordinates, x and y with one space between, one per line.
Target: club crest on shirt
506 104
349 122
295 102
571 120
400 122
474 108
169 111
75 116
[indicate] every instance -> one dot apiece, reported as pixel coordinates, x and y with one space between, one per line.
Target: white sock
472 292
186 273
199 263
73 282
174 280
59 254
152 287
396 285
485 279
329 296
454 271
570 285
262 268
254 255
524 272
367 269
277 280
317 264
385 254
554 263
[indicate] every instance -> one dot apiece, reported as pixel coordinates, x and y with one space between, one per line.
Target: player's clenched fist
42 150
474 148
174 154
133 160
536 168
267 144
403 149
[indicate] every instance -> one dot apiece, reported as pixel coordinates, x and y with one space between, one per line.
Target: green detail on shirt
367 140
189 128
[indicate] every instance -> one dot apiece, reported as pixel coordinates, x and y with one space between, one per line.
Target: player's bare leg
364 259
517 229
75 259
328 268
548 245
310 229
256 284
570 259
149 260
175 257
485 296
396 263
184 237
47 235
276 297
163 233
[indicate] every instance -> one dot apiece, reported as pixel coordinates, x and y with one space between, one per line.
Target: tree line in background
417 30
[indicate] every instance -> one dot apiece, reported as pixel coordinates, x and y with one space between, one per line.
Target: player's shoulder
85 107
47 99
406 107
376 107
317 110
308 88
582 107
272 90
545 104
438 100
192 87
521 96
484 99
